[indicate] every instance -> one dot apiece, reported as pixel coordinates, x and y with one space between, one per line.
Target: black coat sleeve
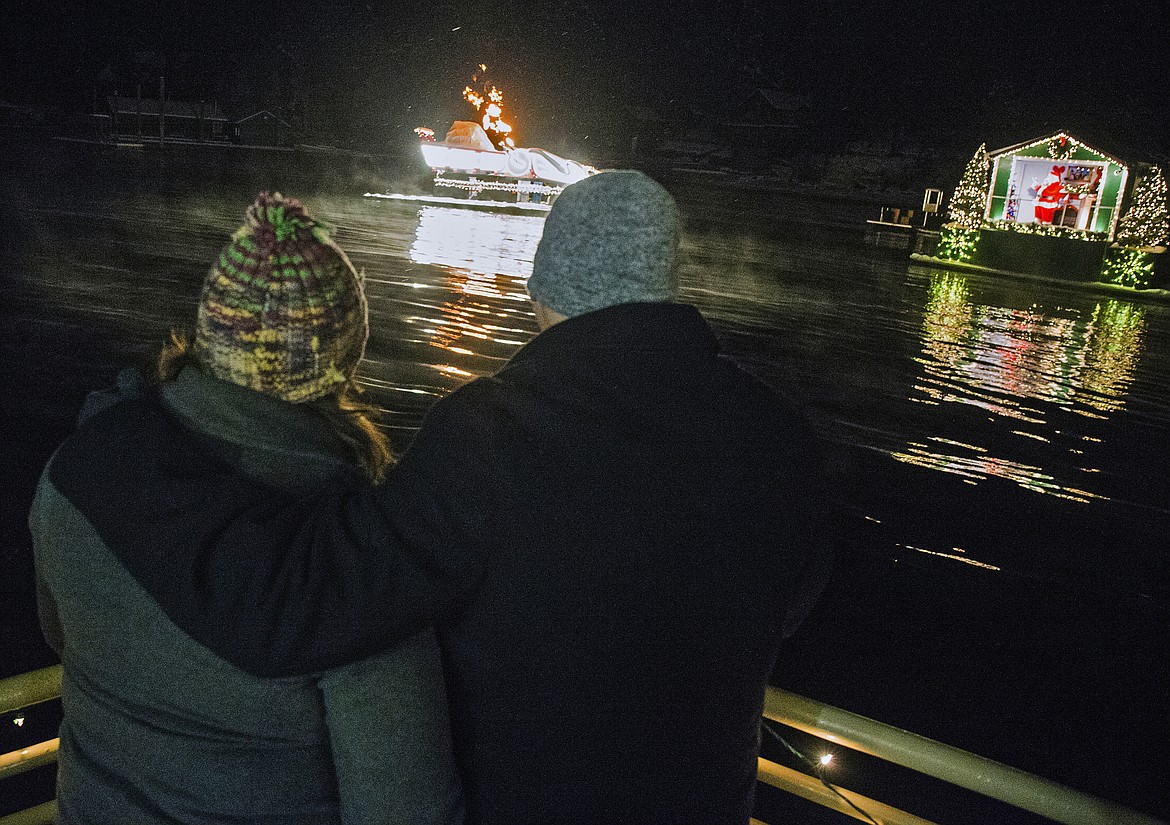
275 583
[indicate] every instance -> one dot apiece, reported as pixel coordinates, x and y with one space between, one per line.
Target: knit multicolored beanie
282 311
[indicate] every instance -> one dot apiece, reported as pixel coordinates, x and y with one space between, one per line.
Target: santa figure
1050 196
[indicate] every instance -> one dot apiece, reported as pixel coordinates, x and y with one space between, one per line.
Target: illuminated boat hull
528 173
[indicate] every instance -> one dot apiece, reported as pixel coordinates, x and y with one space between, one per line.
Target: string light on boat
957 243
1048 230
1128 266
1060 146
1145 226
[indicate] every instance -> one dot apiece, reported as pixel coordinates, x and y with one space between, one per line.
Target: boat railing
957 767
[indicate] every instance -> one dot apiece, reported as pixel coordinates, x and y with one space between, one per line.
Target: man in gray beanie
611 239
611 534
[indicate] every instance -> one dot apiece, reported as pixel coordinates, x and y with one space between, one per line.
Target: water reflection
1004 360
477 242
994 357
487 258
1111 353
977 464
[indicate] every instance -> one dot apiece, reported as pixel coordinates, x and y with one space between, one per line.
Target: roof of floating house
1061 146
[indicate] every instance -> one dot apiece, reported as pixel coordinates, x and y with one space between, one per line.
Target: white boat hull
518 164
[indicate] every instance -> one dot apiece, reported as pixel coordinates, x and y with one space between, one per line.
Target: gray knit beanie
609 239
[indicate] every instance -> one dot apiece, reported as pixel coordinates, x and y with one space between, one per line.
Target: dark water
999 449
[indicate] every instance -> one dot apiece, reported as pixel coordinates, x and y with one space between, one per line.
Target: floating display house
1054 207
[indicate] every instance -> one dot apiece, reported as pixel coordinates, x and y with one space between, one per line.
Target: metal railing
958 767
17 693
926 756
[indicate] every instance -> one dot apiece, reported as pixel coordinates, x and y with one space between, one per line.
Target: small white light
18 721
826 759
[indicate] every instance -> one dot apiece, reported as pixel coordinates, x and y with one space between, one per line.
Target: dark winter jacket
159 729
611 533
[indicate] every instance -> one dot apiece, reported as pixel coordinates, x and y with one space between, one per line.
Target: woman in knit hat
283 312
157 728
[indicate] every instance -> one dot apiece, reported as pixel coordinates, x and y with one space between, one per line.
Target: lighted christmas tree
970 198
1145 223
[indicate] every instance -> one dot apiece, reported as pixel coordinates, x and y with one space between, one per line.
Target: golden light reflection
954 556
982 465
1003 360
448 369
487 257
479 243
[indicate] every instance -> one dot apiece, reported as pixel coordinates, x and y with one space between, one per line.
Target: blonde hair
350 419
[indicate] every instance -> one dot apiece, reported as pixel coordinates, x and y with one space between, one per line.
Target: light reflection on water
479 243
488 258
1021 367
911 373
446 289
999 359
1028 354
957 555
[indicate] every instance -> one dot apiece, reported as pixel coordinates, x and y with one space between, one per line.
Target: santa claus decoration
1050 195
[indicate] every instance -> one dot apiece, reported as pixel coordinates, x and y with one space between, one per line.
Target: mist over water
997 451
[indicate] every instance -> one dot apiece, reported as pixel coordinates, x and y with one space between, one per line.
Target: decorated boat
481 160
1055 207
466 161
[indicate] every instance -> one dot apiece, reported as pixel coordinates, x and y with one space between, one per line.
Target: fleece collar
634 327
247 418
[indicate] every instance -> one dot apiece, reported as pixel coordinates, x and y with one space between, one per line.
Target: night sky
575 74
